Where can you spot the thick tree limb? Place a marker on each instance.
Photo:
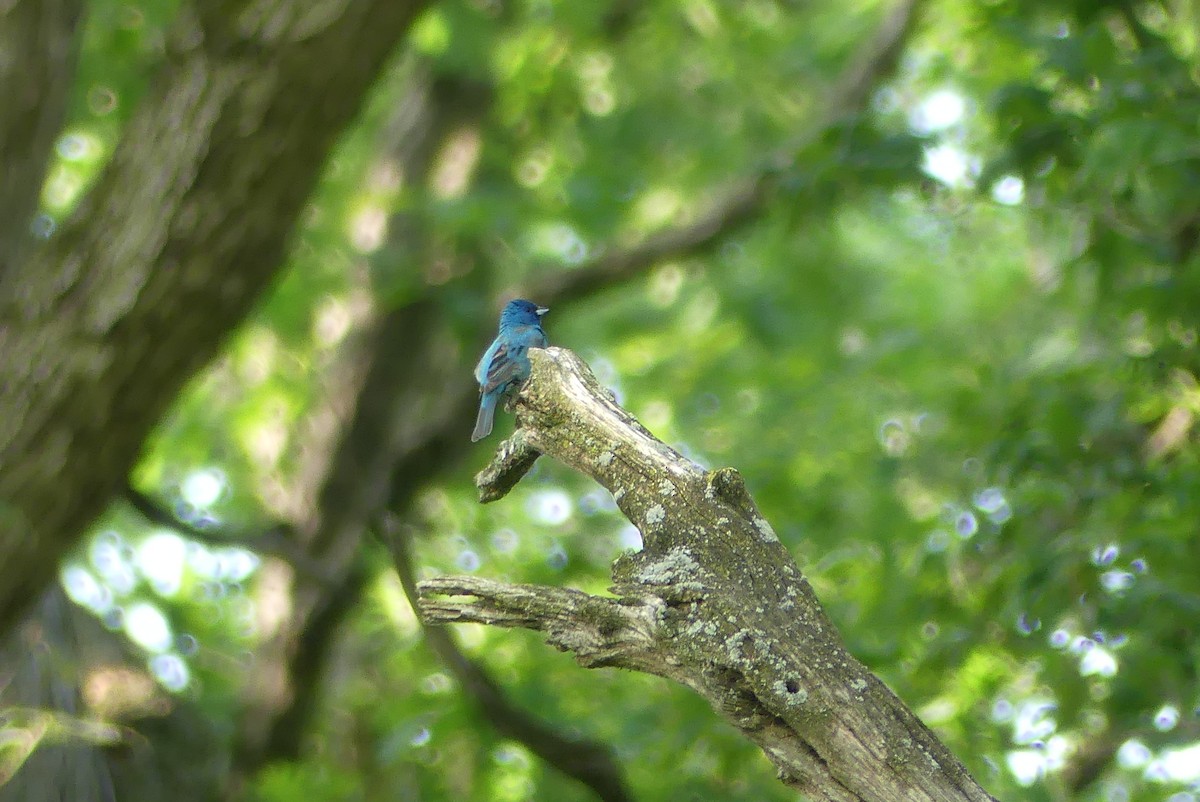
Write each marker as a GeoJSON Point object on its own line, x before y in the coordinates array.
{"type": "Point", "coordinates": [37, 67]}
{"type": "Point", "coordinates": [874, 61]}
{"type": "Point", "coordinates": [713, 601]}
{"type": "Point", "coordinates": [40, 663]}
{"type": "Point", "coordinates": [187, 225]}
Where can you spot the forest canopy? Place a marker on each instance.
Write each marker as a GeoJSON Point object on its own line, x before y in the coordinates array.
{"type": "Point", "coordinates": [925, 273]}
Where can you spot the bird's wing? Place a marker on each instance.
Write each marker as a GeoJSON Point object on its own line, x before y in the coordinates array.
{"type": "Point", "coordinates": [485, 361]}
{"type": "Point", "coordinates": [501, 370]}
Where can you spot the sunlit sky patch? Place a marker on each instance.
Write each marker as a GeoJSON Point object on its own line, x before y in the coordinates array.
{"type": "Point", "coordinates": [161, 558]}
{"type": "Point", "coordinates": [1009, 190]}
{"type": "Point", "coordinates": [558, 240]}
{"type": "Point", "coordinates": [170, 670]}
{"type": "Point", "coordinates": [202, 488]}
{"type": "Point", "coordinates": [367, 229]}
{"type": "Point", "coordinates": [629, 537]}
{"type": "Point", "coordinates": [235, 565]}
{"type": "Point", "coordinates": [1098, 661]}
{"type": "Point", "coordinates": [111, 558]}
{"type": "Point", "coordinates": [225, 565]}
{"type": "Point", "coordinates": [938, 111]}
{"type": "Point", "coordinates": [1166, 718]}
{"type": "Point", "coordinates": [1033, 721]}
{"type": "Point", "coordinates": [1181, 765]}
{"type": "Point", "coordinates": [1030, 765]}
{"type": "Point", "coordinates": [146, 626]}
{"type": "Point", "coordinates": [505, 541]}
{"type": "Point", "coordinates": [78, 146]}
{"type": "Point", "coordinates": [550, 507]}
{"type": "Point", "coordinates": [1133, 754]}
{"type": "Point", "coordinates": [948, 164]}
{"type": "Point", "coordinates": [468, 560]}
{"type": "Point", "coordinates": [85, 590]}
{"type": "Point", "coordinates": [1033, 728]}
{"type": "Point", "coordinates": [421, 737]}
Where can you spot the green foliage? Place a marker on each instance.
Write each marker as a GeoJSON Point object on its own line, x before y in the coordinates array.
{"type": "Point", "coordinates": [953, 406]}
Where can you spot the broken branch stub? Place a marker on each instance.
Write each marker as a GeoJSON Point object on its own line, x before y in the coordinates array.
{"type": "Point", "coordinates": [713, 600]}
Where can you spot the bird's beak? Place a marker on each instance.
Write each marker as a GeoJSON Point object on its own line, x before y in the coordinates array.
{"type": "Point", "coordinates": [541, 310]}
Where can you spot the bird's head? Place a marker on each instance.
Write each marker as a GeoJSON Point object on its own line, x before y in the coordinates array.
{"type": "Point", "coordinates": [522, 313]}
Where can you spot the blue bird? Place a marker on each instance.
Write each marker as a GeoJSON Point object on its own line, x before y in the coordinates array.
{"type": "Point", "coordinates": [505, 366]}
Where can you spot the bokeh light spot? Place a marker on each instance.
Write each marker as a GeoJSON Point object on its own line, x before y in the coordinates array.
{"type": "Point", "coordinates": [893, 437]}
{"type": "Point", "coordinates": [551, 507]}
{"type": "Point", "coordinates": [85, 590]}
{"type": "Point", "coordinates": [160, 558]}
{"type": "Point", "coordinates": [505, 541]}
{"type": "Point", "coordinates": [938, 111]}
{"type": "Point", "coordinates": [1166, 718]}
{"type": "Point", "coordinates": [1133, 754]}
{"type": "Point", "coordinates": [1105, 555]}
{"type": "Point", "coordinates": [1009, 190]}
{"type": "Point", "coordinates": [1117, 581]}
{"type": "Point", "coordinates": [202, 488]}
{"type": "Point", "coordinates": [101, 100]}
{"type": "Point", "coordinates": [1098, 662]}
{"type": "Point", "coordinates": [171, 671]}
{"type": "Point", "coordinates": [146, 626]}
{"type": "Point", "coordinates": [468, 560]}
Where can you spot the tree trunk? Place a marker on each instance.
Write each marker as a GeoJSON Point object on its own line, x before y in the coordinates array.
{"type": "Point", "coordinates": [713, 600]}
{"type": "Point", "coordinates": [190, 221]}
{"type": "Point", "coordinates": [37, 59]}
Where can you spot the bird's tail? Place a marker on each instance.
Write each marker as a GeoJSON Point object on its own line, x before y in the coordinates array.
{"type": "Point", "coordinates": [483, 423]}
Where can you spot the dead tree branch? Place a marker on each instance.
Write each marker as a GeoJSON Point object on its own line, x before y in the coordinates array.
{"type": "Point", "coordinates": [588, 761]}
{"type": "Point", "coordinates": [713, 601]}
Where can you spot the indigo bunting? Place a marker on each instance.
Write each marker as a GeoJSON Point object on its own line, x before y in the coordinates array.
{"type": "Point", "coordinates": [505, 366]}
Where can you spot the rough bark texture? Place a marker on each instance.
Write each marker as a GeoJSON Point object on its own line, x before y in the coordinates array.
{"type": "Point", "coordinates": [187, 225]}
{"type": "Point", "coordinates": [713, 601]}
{"type": "Point", "coordinates": [37, 63]}
{"type": "Point", "coordinates": [390, 446]}
{"type": "Point", "coordinates": [38, 669]}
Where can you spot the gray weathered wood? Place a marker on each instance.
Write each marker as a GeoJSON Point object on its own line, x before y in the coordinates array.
{"type": "Point", "coordinates": [713, 600]}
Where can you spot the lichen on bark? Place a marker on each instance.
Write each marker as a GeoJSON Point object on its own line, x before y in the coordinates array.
{"type": "Point", "coordinates": [713, 600]}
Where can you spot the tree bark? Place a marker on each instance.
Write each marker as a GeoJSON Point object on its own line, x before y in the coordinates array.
{"type": "Point", "coordinates": [713, 601]}
{"type": "Point", "coordinates": [37, 65]}
{"type": "Point", "coordinates": [40, 663]}
{"type": "Point", "coordinates": [188, 224]}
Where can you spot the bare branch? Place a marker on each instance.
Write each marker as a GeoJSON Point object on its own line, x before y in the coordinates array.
{"type": "Point", "coordinates": [588, 761]}
{"type": "Point", "coordinates": [713, 601]}
{"type": "Point", "coordinates": [513, 460]}
{"type": "Point", "coordinates": [744, 200]}
{"type": "Point", "coordinates": [599, 631]}
{"type": "Point", "coordinates": [874, 62]}
{"type": "Point", "coordinates": [276, 540]}
{"type": "Point", "coordinates": [737, 207]}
